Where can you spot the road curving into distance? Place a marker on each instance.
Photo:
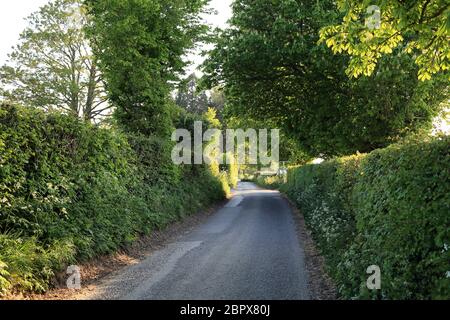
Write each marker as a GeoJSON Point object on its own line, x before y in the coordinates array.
{"type": "Point", "coordinates": [248, 250]}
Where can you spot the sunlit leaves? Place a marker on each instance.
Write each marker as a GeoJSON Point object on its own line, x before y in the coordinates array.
{"type": "Point", "coordinates": [420, 27]}
{"type": "Point", "coordinates": [274, 69]}
{"type": "Point", "coordinates": [141, 45]}
{"type": "Point", "coordinates": [52, 67]}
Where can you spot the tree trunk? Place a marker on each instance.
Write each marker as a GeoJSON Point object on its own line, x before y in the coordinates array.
{"type": "Point", "coordinates": [89, 106]}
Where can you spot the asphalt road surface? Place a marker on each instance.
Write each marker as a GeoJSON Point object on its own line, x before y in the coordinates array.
{"type": "Point", "coordinates": [248, 250]}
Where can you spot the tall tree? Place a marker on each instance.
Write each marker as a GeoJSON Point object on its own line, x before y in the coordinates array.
{"type": "Point", "coordinates": [189, 98]}
{"type": "Point", "coordinates": [371, 29]}
{"type": "Point", "coordinates": [141, 45]}
{"type": "Point", "coordinates": [274, 70]}
{"type": "Point", "coordinates": [53, 66]}
{"type": "Point", "coordinates": [218, 99]}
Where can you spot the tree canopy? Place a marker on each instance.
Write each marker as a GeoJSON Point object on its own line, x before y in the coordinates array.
{"type": "Point", "coordinates": [140, 45]}
{"type": "Point", "coordinates": [418, 27]}
{"type": "Point", "coordinates": [190, 98]}
{"type": "Point", "coordinates": [53, 66]}
{"type": "Point", "coordinates": [274, 70]}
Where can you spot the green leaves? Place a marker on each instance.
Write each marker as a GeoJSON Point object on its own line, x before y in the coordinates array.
{"type": "Point", "coordinates": [422, 27]}
{"type": "Point", "coordinates": [140, 45]}
{"type": "Point", "coordinates": [275, 69]}
{"type": "Point", "coordinates": [388, 208]}
{"type": "Point", "coordinates": [52, 67]}
{"type": "Point", "coordinates": [61, 181]}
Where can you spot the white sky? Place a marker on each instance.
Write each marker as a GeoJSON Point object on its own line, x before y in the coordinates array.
{"type": "Point", "coordinates": [223, 8]}
{"type": "Point", "coordinates": [13, 13]}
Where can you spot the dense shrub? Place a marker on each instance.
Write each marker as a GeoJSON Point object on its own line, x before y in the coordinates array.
{"type": "Point", "coordinates": [323, 193]}
{"type": "Point", "coordinates": [233, 174]}
{"type": "Point", "coordinates": [389, 208]}
{"type": "Point", "coordinates": [269, 182]}
{"type": "Point", "coordinates": [70, 191]}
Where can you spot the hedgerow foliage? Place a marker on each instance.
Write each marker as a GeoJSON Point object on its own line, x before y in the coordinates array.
{"type": "Point", "coordinates": [70, 191]}
{"type": "Point", "coordinates": [389, 208]}
{"type": "Point", "coordinates": [269, 182]}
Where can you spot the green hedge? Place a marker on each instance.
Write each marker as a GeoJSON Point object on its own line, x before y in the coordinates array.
{"type": "Point", "coordinates": [70, 191]}
{"type": "Point", "coordinates": [269, 182]}
{"type": "Point", "coordinates": [390, 208]}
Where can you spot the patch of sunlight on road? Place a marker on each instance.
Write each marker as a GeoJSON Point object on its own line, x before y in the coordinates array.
{"type": "Point", "coordinates": [248, 188]}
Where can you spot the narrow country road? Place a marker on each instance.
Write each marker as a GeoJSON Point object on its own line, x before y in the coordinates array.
{"type": "Point", "coordinates": [247, 250]}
